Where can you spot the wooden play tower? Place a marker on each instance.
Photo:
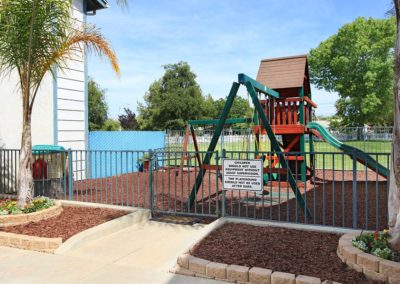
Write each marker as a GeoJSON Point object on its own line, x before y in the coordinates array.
{"type": "Point", "coordinates": [281, 96]}
{"type": "Point", "coordinates": [291, 112]}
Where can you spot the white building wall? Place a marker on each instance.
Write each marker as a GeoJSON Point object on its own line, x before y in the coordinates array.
{"type": "Point", "coordinates": [71, 125]}
{"type": "Point", "coordinates": [62, 121]}
{"type": "Point", "coordinates": [11, 113]}
{"type": "Point", "coordinates": [59, 114]}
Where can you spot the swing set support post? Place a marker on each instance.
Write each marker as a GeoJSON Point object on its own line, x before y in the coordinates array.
{"type": "Point", "coordinates": [218, 130]}
{"type": "Point", "coordinates": [251, 86]}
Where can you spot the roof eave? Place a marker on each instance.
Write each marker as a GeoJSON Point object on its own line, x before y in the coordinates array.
{"type": "Point", "coordinates": [284, 58]}
{"type": "Point", "coordinates": [94, 5]}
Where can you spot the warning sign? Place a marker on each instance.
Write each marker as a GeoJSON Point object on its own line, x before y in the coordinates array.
{"type": "Point", "coordinates": [242, 174]}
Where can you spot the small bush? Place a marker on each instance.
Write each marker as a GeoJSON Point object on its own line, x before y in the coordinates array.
{"type": "Point", "coordinates": [10, 207]}
{"type": "Point", "coordinates": [374, 243]}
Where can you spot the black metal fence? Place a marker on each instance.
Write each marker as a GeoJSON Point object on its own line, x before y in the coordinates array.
{"type": "Point", "coordinates": [338, 188]}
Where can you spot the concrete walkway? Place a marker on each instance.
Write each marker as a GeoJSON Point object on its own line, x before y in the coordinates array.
{"type": "Point", "coordinates": [142, 253]}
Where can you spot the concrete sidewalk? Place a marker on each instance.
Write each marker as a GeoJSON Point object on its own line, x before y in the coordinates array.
{"type": "Point", "coordinates": [142, 253]}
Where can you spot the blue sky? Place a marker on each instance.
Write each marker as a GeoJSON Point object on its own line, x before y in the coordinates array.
{"type": "Point", "coordinates": [218, 38]}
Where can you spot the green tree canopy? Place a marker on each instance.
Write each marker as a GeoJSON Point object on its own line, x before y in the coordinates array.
{"type": "Point", "coordinates": [111, 125]}
{"type": "Point", "coordinates": [172, 100]}
{"type": "Point", "coordinates": [357, 62]}
{"type": "Point", "coordinates": [97, 106]}
{"type": "Point", "coordinates": [240, 108]}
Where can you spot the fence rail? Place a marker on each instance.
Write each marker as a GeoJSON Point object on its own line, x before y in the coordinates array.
{"type": "Point", "coordinates": [376, 139]}
{"type": "Point", "coordinates": [339, 190]}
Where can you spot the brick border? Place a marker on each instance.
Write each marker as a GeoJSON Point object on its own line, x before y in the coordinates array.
{"type": "Point", "coordinates": [219, 271]}
{"type": "Point", "coordinates": [55, 245]}
{"type": "Point", "coordinates": [21, 219]}
{"type": "Point", "coordinates": [189, 265]}
{"type": "Point", "coordinates": [48, 245]}
{"type": "Point", "coordinates": [373, 267]}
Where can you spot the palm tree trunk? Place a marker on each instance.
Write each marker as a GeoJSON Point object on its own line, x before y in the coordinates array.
{"type": "Point", "coordinates": [25, 179]}
{"type": "Point", "coordinates": [394, 188]}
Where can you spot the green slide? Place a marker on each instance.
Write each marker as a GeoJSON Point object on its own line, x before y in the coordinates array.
{"type": "Point", "coordinates": [361, 156]}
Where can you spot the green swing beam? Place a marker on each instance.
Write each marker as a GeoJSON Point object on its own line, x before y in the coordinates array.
{"type": "Point", "coordinates": [215, 121]}
{"type": "Point", "coordinates": [251, 86]}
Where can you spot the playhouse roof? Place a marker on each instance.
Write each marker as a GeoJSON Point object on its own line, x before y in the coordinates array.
{"type": "Point", "coordinates": [284, 72]}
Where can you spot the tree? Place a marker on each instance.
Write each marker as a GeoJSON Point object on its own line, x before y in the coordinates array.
{"type": "Point", "coordinates": [97, 106]}
{"type": "Point", "coordinates": [209, 108]}
{"type": "Point", "coordinates": [111, 125]}
{"type": "Point", "coordinates": [172, 100]}
{"type": "Point", "coordinates": [394, 186]}
{"type": "Point", "coordinates": [36, 35]}
{"type": "Point", "coordinates": [240, 108]}
{"type": "Point", "coordinates": [357, 63]}
{"type": "Point", "coordinates": [128, 120]}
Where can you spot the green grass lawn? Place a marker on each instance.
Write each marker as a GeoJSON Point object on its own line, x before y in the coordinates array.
{"type": "Point", "coordinates": [329, 160]}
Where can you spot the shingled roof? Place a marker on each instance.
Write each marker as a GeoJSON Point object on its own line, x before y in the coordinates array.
{"type": "Point", "coordinates": [283, 72]}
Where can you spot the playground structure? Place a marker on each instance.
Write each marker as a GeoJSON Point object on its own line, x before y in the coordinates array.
{"type": "Point", "coordinates": [283, 107]}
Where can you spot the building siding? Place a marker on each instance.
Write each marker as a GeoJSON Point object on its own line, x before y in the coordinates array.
{"type": "Point", "coordinates": [71, 99]}
{"type": "Point", "coordinates": [59, 111]}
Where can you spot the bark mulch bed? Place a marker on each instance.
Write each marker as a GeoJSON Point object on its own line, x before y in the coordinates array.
{"type": "Point", "coordinates": [329, 197]}
{"type": "Point", "coordinates": [71, 221]}
{"type": "Point", "coordinates": [278, 249]}
{"type": "Point", "coordinates": [182, 219]}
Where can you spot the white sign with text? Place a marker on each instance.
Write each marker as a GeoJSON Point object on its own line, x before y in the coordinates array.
{"type": "Point", "coordinates": [242, 174]}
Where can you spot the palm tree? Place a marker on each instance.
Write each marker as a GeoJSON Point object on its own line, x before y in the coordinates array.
{"type": "Point", "coordinates": [394, 189]}
{"type": "Point", "coordinates": [35, 36]}
{"type": "Point", "coordinates": [122, 3]}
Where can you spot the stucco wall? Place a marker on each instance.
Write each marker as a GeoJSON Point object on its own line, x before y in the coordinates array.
{"type": "Point", "coordinates": [11, 113]}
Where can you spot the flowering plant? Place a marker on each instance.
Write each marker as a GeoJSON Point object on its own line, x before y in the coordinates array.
{"type": "Point", "coordinates": [10, 207]}
{"type": "Point", "coordinates": [374, 243]}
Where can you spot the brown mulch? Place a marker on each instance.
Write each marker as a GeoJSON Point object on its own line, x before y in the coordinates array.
{"type": "Point", "coordinates": [71, 221]}
{"type": "Point", "coordinates": [182, 219]}
{"type": "Point", "coordinates": [278, 249]}
{"type": "Point", "coordinates": [329, 197]}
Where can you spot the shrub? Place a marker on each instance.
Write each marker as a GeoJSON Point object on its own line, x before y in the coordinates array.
{"type": "Point", "coordinates": [10, 207]}
{"type": "Point", "coordinates": [374, 243]}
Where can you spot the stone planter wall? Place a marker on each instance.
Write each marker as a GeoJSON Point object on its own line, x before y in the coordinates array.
{"type": "Point", "coordinates": [373, 267]}
{"type": "Point", "coordinates": [193, 266]}
{"type": "Point", "coordinates": [20, 219]}
{"type": "Point", "coordinates": [48, 245]}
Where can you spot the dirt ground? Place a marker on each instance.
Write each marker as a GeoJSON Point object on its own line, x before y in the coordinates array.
{"type": "Point", "coordinates": [278, 249]}
{"type": "Point", "coordinates": [329, 197]}
{"type": "Point", "coordinates": [71, 221]}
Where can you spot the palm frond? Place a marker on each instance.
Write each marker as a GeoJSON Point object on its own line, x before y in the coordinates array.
{"type": "Point", "coordinates": [89, 40]}
{"type": "Point", "coordinates": [122, 3]}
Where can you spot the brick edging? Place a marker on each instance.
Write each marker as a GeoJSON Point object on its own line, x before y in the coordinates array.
{"type": "Point", "coordinates": [21, 219]}
{"type": "Point", "coordinates": [373, 267]}
{"type": "Point", "coordinates": [189, 265]}
{"type": "Point", "coordinates": [48, 245]}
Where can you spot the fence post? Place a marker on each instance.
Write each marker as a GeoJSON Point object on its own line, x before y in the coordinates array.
{"type": "Point", "coordinates": [354, 190]}
{"type": "Point", "coordinates": [223, 191]}
{"type": "Point", "coordinates": [151, 186]}
{"type": "Point", "coordinates": [70, 175]}
{"type": "Point", "coordinates": [222, 140]}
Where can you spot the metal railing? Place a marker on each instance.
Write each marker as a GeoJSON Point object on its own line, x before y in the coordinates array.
{"type": "Point", "coordinates": [375, 139]}
{"type": "Point", "coordinates": [335, 194]}
{"type": "Point", "coordinates": [338, 188]}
